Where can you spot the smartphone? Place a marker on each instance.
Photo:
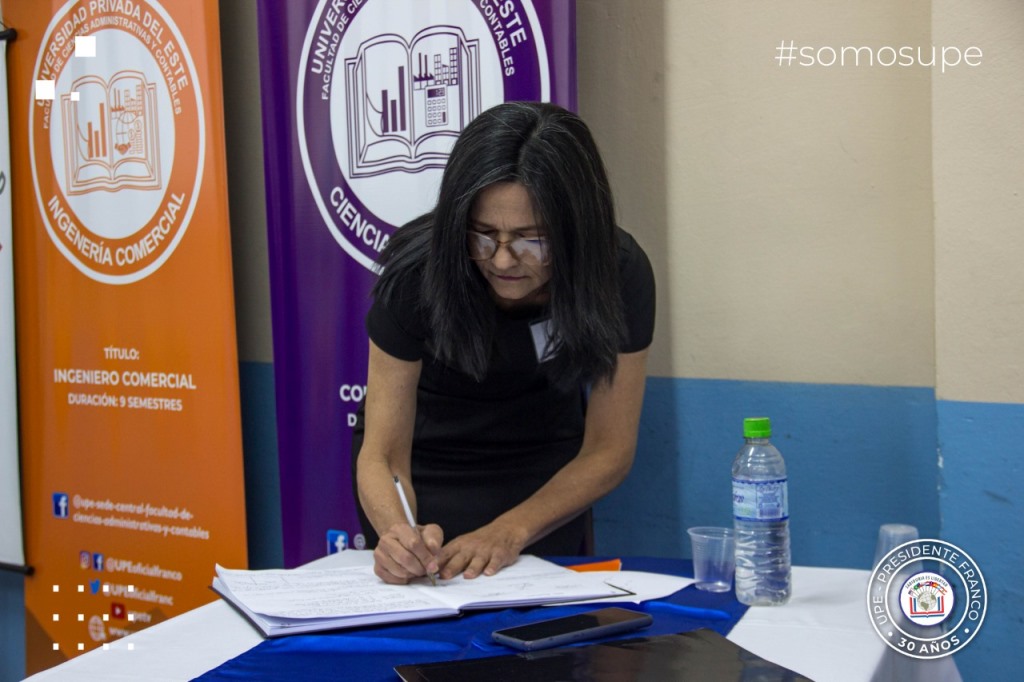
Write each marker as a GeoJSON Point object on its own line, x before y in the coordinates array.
{"type": "Point", "coordinates": [568, 629]}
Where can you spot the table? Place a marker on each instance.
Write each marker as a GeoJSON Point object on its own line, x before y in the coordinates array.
{"type": "Point", "coordinates": [823, 632]}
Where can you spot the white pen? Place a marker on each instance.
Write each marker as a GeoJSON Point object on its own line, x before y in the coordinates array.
{"type": "Point", "coordinates": [410, 518]}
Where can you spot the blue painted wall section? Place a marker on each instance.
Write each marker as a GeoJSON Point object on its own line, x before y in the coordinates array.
{"type": "Point", "coordinates": [856, 456]}
{"type": "Point", "coordinates": [12, 626]}
{"type": "Point", "coordinates": [983, 513]}
{"type": "Point", "coordinates": [262, 478]}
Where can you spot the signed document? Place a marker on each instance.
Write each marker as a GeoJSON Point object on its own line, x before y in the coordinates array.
{"type": "Point", "coordinates": [291, 601]}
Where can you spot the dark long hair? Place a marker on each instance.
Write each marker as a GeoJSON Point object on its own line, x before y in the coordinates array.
{"type": "Point", "coordinates": [551, 152]}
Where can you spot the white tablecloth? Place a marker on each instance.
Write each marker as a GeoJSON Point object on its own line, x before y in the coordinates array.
{"type": "Point", "coordinates": [823, 632]}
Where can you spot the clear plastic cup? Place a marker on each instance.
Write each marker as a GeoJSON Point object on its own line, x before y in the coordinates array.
{"type": "Point", "coordinates": [890, 536]}
{"type": "Point", "coordinates": [714, 557]}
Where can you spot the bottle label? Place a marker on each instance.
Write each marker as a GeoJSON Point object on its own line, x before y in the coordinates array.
{"type": "Point", "coordinates": [760, 500]}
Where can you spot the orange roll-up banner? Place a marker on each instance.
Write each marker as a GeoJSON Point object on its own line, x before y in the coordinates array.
{"type": "Point", "coordinates": [128, 373]}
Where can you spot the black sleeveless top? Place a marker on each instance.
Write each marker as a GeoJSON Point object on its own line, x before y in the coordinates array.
{"type": "Point", "coordinates": [482, 447]}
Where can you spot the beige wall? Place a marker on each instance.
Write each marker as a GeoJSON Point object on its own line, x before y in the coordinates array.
{"type": "Point", "coordinates": [978, 119]}
{"type": "Point", "coordinates": [788, 210]}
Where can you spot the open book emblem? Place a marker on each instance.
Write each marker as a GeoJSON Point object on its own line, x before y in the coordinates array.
{"type": "Point", "coordinates": [407, 101]}
{"type": "Point", "coordinates": [111, 134]}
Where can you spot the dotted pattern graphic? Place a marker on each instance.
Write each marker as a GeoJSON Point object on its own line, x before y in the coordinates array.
{"type": "Point", "coordinates": [96, 628]}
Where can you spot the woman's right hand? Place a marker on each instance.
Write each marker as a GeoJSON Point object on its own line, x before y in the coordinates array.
{"type": "Point", "coordinates": [404, 553]}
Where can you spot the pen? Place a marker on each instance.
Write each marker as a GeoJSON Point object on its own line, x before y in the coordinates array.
{"type": "Point", "coordinates": [409, 517]}
{"type": "Point", "coordinates": [694, 611]}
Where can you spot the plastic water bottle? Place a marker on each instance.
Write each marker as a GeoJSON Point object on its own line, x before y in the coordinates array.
{"type": "Point", "coordinates": [761, 518]}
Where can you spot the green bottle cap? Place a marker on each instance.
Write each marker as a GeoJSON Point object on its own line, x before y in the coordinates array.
{"type": "Point", "coordinates": [757, 427]}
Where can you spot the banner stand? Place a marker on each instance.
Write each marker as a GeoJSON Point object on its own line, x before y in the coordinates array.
{"type": "Point", "coordinates": [362, 102]}
{"type": "Point", "coordinates": [128, 394]}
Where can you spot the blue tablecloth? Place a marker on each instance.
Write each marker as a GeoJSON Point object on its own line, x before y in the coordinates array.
{"type": "Point", "coordinates": [369, 654]}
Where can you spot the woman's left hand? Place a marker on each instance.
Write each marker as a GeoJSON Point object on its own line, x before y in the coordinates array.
{"type": "Point", "coordinates": [485, 551]}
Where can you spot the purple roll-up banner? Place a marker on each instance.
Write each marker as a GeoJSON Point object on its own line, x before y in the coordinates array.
{"type": "Point", "coordinates": [362, 101]}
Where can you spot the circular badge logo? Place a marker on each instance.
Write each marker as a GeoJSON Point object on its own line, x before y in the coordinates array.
{"type": "Point", "coordinates": [117, 155]}
{"type": "Point", "coordinates": [927, 598]}
{"type": "Point", "coordinates": [385, 88]}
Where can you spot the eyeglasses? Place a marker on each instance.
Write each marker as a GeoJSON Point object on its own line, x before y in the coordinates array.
{"type": "Point", "coordinates": [532, 250]}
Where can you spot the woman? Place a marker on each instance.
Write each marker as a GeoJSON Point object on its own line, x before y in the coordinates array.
{"type": "Point", "coordinates": [508, 346]}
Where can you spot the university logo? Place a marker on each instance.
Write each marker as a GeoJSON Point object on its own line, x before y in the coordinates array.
{"type": "Point", "coordinates": [117, 155]}
{"type": "Point", "coordinates": [927, 598]}
{"type": "Point", "coordinates": [385, 88]}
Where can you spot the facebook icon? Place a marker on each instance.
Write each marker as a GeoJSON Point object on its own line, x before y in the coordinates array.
{"type": "Point", "coordinates": [60, 505]}
{"type": "Point", "coordinates": [337, 541]}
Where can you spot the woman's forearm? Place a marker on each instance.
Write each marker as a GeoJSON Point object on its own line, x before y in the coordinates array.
{"type": "Point", "coordinates": [377, 494]}
{"type": "Point", "coordinates": [571, 491]}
